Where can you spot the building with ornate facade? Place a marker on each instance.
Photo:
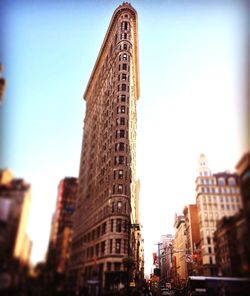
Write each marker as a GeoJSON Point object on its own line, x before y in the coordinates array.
{"type": "Point", "coordinates": [105, 222]}
{"type": "Point", "coordinates": [217, 196]}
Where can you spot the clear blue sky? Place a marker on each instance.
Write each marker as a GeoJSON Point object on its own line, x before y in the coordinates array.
{"type": "Point", "coordinates": [192, 59]}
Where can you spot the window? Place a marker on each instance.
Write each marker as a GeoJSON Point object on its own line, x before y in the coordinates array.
{"type": "Point", "coordinates": [122, 121]}
{"type": "Point", "coordinates": [119, 147]}
{"type": "Point", "coordinates": [104, 225]}
{"type": "Point", "coordinates": [110, 246]}
{"type": "Point", "coordinates": [112, 225]}
{"type": "Point", "coordinates": [125, 46]}
{"type": "Point", "coordinates": [119, 206]}
{"type": "Point", "coordinates": [120, 174]}
{"type": "Point", "coordinates": [124, 57]}
{"type": "Point", "coordinates": [125, 246]}
{"type": "Point", "coordinates": [231, 181]}
{"type": "Point", "coordinates": [118, 246]}
{"type": "Point", "coordinates": [124, 76]}
{"type": "Point", "coordinates": [98, 231]}
{"type": "Point", "coordinates": [122, 133]}
{"type": "Point", "coordinates": [120, 188]}
{"type": "Point", "coordinates": [123, 109]}
{"type": "Point", "coordinates": [125, 36]}
{"type": "Point", "coordinates": [123, 98]}
{"type": "Point", "coordinates": [121, 159]}
{"type": "Point", "coordinates": [118, 225]}
{"type": "Point", "coordinates": [97, 250]}
{"type": "Point", "coordinates": [124, 66]}
{"type": "Point", "coordinates": [103, 248]}
{"type": "Point", "coordinates": [221, 181]}
{"type": "Point", "coordinates": [124, 87]}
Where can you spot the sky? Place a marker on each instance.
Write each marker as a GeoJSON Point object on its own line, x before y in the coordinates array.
{"type": "Point", "coordinates": [192, 57]}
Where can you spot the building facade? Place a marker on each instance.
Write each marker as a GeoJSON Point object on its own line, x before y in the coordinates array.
{"type": "Point", "coordinates": [231, 246]}
{"type": "Point", "coordinates": [192, 239]}
{"type": "Point", "coordinates": [105, 223]}
{"type": "Point", "coordinates": [62, 226]}
{"type": "Point", "coordinates": [15, 200]}
{"type": "Point", "coordinates": [180, 250]}
{"type": "Point", "coordinates": [217, 196]}
{"type": "Point", "coordinates": [166, 257]}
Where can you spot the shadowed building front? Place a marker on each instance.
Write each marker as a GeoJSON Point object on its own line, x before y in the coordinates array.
{"type": "Point", "coordinates": [105, 225]}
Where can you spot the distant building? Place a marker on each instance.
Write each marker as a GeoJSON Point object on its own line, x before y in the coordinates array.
{"type": "Point", "coordinates": [218, 196]}
{"type": "Point", "coordinates": [231, 246]}
{"type": "Point", "coordinates": [62, 224]}
{"type": "Point", "coordinates": [192, 229]}
{"type": "Point", "coordinates": [105, 238]}
{"type": "Point", "coordinates": [243, 169]}
{"type": "Point", "coordinates": [180, 250]}
{"type": "Point", "coordinates": [166, 257]}
{"type": "Point", "coordinates": [15, 199]}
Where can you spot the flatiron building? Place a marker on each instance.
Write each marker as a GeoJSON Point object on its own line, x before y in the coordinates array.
{"type": "Point", "coordinates": [105, 224]}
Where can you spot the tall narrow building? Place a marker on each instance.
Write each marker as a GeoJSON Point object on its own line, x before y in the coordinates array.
{"type": "Point", "coordinates": [105, 217]}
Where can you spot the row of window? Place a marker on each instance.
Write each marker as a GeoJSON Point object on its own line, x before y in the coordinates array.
{"type": "Point", "coordinates": [220, 198]}
{"type": "Point", "coordinates": [115, 246]}
{"type": "Point", "coordinates": [219, 190]}
{"type": "Point", "coordinates": [220, 181]}
{"type": "Point", "coordinates": [227, 207]}
{"type": "Point", "coordinates": [117, 225]}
